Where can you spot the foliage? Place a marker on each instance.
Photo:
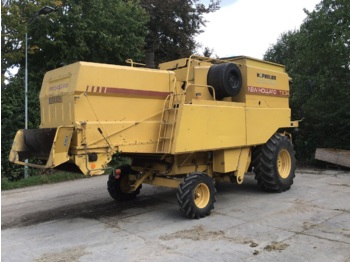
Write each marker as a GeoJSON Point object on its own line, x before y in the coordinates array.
{"type": "Point", "coordinates": [173, 26]}
{"type": "Point", "coordinates": [12, 118]}
{"type": "Point", "coordinates": [317, 57]}
{"type": "Point", "coordinates": [119, 160]}
{"type": "Point", "coordinates": [106, 31]}
{"type": "Point", "coordinates": [209, 52]}
{"type": "Point", "coordinates": [36, 180]}
{"type": "Point", "coordinates": [90, 30]}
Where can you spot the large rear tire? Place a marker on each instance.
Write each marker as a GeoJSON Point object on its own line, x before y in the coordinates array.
{"type": "Point", "coordinates": [274, 164]}
{"type": "Point", "coordinates": [196, 195]}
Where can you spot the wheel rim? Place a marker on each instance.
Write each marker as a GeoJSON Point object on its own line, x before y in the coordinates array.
{"type": "Point", "coordinates": [201, 195]}
{"type": "Point", "coordinates": [284, 163]}
{"type": "Point", "coordinates": [234, 79]}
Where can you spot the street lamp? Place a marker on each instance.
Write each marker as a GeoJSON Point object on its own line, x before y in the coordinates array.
{"type": "Point", "coordinates": [43, 11]}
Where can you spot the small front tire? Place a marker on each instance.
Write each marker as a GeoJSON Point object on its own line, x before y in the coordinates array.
{"type": "Point", "coordinates": [119, 189]}
{"type": "Point", "coordinates": [196, 195]}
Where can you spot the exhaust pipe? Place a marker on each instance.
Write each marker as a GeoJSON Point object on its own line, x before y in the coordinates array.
{"type": "Point", "coordinates": [149, 60]}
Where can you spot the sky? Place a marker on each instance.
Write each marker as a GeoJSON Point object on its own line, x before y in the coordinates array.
{"type": "Point", "coordinates": [250, 27]}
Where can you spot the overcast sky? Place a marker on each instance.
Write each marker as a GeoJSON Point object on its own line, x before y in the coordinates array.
{"type": "Point", "coordinates": [249, 27]}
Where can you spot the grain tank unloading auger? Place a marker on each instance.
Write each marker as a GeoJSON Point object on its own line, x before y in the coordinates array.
{"type": "Point", "coordinates": [187, 125]}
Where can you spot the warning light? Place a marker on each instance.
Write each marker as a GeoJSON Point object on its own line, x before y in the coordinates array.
{"type": "Point", "coordinates": [118, 172]}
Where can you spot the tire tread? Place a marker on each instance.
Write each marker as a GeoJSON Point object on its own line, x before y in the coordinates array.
{"type": "Point", "coordinates": [264, 162]}
{"type": "Point", "coordinates": [184, 195]}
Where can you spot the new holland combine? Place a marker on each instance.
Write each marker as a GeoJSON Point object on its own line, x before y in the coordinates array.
{"type": "Point", "coordinates": [188, 124]}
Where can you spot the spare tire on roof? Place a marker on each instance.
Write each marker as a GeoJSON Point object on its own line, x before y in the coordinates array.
{"type": "Point", "coordinates": [226, 80]}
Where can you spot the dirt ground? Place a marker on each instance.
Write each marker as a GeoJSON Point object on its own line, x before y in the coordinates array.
{"type": "Point", "coordinates": [78, 221]}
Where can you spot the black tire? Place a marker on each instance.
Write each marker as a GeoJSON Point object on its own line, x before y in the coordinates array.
{"type": "Point", "coordinates": [119, 189]}
{"type": "Point", "coordinates": [256, 154]}
{"type": "Point", "coordinates": [274, 164]}
{"type": "Point", "coordinates": [196, 195]}
{"type": "Point", "coordinates": [226, 80]}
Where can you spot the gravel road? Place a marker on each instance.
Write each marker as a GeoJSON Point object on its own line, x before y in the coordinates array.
{"type": "Point", "coordinates": [78, 221]}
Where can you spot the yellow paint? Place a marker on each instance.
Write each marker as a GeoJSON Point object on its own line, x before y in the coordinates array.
{"type": "Point", "coordinates": [225, 161]}
{"type": "Point", "coordinates": [243, 164]}
{"type": "Point", "coordinates": [57, 155]}
{"type": "Point", "coordinates": [201, 195]}
{"type": "Point", "coordinates": [209, 127]}
{"type": "Point", "coordinates": [232, 160]}
{"type": "Point", "coordinates": [284, 163]}
{"type": "Point", "coordinates": [155, 114]}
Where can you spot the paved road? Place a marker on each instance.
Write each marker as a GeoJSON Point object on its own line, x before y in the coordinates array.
{"type": "Point", "coordinates": [78, 221]}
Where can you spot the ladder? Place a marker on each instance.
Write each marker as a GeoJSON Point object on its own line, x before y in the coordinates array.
{"type": "Point", "coordinates": [167, 124]}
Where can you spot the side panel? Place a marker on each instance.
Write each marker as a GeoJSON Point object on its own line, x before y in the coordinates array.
{"type": "Point", "coordinates": [61, 145]}
{"type": "Point", "coordinates": [126, 103]}
{"type": "Point", "coordinates": [209, 127]}
{"type": "Point", "coordinates": [262, 123]}
{"type": "Point", "coordinates": [56, 96]}
{"type": "Point", "coordinates": [226, 160]}
{"type": "Point", "coordinates": [264, 84]}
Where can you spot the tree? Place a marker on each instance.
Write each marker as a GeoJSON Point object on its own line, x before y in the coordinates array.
{"type": "Point", "coordinates": [317, 57]}
{"type": "Point", "coordinates": [11, 116]}
{"type": "Point", "coordinates": [173, 26]}
{"type": "Point", "coordinates": [89, 30]}
{"type": "Point", "coordinates": [12, 36]}
{"type": "Point", "coordinates": [208, 52]}
{"type": "Point", "coordinates": [106, 31]}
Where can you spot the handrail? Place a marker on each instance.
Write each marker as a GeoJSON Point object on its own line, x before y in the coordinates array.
{"type": "Point", "coordinates": [205, 59]}
{"type": "Point", "coordinates": [132, 63]}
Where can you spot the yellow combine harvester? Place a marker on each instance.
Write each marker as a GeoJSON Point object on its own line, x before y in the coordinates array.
{"type": "Point", "coordinates": [187, 125]}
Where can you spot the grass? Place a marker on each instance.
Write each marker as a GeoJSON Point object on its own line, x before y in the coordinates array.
{"type": "Point", "coordinates": [39, 180]}
{"type": "Point", "coordinates": [54, 177]}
